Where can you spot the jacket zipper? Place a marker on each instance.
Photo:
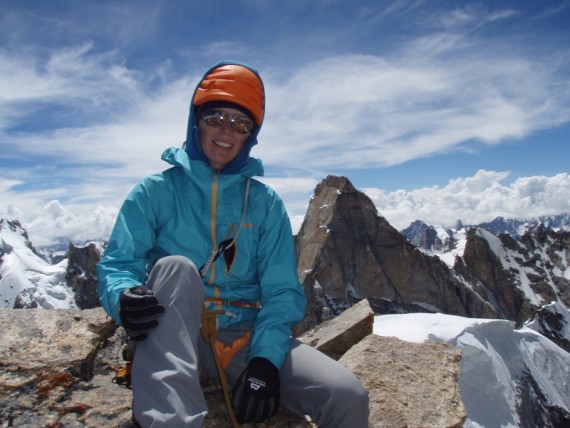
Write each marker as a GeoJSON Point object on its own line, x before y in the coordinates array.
{"type": "Point", "coordinates": [213, 209]}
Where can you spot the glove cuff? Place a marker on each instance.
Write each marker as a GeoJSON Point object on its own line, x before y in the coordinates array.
{"type": "Point", "coordinates": [264, 365]}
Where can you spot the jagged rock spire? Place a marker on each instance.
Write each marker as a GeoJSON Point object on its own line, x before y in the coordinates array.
{"type": "Point", "coordinates": [347, 251]}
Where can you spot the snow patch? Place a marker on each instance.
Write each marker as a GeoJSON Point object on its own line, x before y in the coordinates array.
{"type": "Point", "coordinates": [496, 361]}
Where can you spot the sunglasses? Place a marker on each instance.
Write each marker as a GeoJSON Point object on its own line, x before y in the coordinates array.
{"type": "Point", "coordinates": [218, 119]}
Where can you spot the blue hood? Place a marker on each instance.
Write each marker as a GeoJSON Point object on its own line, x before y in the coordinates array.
{"type": "Point", "coordinates": [192, 144]}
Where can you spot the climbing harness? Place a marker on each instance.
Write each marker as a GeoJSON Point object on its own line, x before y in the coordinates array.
{"type": "Point", "coordinates": [209, 330]}
{"type": "Point", "coordinates": [223, 352]}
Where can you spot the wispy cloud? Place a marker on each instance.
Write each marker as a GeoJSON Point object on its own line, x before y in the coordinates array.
{"type": "Point", "coordinates": [113, 124]}
{"type": "Point", "coordinates": [554, 9]}
{"type": "Point", "coordinates": [362, 111]}
{"type": "Point", "coordinates": [440, 93]}
{"type": "Point", "coordinates": [467, 17]}
{"type": "Point", "coordinates": [73, 87]}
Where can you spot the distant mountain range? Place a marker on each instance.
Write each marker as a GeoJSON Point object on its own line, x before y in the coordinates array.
{"type": "Point", "coordinates": [347, 251]}
{"type": "Point", "coordinates": [444, 239]}
{"type": "Point", "coordinates": [26, 271]}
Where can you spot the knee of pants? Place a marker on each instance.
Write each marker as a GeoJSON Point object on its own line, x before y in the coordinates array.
{"type": "Point", "coordinates": [354, 398]}
{"type": "Point", "coordinates": [176, 262]}
{"type": "Point", "coordinates": [175, 275]}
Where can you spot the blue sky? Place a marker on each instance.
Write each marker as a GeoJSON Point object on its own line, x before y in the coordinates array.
{"type": "Point", "coordinates": [438, 110]}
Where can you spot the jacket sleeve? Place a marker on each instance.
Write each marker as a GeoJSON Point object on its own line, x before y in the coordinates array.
{"type": "Point", "coordinates": [124, 263]}
{"type": "Point", "coordinates": [283, 299]}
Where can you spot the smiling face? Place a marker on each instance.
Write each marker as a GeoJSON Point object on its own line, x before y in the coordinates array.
{"type": "Point", "coordinates": [221, 145]}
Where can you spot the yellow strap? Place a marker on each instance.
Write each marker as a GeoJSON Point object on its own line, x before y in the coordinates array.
{"type": "Point", "coordinates": [213, 209]}
{"type": "Point", "coordinates": [213, 214]}
{"type": "Point", "coordinates": [209, 331]}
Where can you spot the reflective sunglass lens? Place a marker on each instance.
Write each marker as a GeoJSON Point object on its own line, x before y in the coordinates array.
{"type": "Point", "coordinates": [218, 119]}
{"type": "Point", "coordinates": [215, 121]}
{"type": "Point", "coordinates": [242, 126]}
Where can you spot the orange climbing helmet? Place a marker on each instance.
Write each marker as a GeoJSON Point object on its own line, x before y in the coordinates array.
{"type": "Point", "coordinates": [233, 83]}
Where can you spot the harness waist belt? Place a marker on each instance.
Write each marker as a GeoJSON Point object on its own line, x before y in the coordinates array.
{"type": "Point", "coordinates": [237, 304]}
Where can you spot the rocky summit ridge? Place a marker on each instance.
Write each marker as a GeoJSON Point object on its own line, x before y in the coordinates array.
{"type": "Point", "coordinates": [57, 371]}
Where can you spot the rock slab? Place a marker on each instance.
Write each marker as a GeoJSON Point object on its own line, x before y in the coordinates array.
{"type": "Point", "coordinates": [410, 384]}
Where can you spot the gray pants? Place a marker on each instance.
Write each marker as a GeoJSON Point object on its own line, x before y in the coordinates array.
{"type": "Point", "coordinates": [166, 380]}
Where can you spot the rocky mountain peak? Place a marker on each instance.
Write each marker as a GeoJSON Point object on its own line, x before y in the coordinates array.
{"type": "Point", "coordinates": [346, 251]}
{"type": "Point", "coordinates": [425, 236]}
{"type": "Point", "coordinates": [517, 276]}
{"type": "Point", "coordinates": [336, 201]}
{"type": "Point", "coordinates": [81, 275]}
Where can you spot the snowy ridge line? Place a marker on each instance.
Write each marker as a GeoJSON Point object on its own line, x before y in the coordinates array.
{"type": "Point", "coordinates": [27, 280]}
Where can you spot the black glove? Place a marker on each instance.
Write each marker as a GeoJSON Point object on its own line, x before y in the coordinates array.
{"type": "Point", "coordinates": [256, 393]}
{"type": "Point", "coordinates": [139, 310]}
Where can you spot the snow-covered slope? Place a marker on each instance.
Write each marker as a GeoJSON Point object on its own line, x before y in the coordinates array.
{"type": "Point", "coordinates": [26, 280]}
{"type": "Point", "coordinates": [509, 377]}
{"type": "Point", "coordinates": [458, 239]}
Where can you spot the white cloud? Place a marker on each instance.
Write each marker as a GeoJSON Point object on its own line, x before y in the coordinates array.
{"type": "Point", "coordinates": [132, 142]}
{"type": "Point", "coordinates": [440, 94]}
{"type": "Point", "coordinates": [290, 185]}
{"type": "Point", "coordinates": [102, 159]}
{"type": "Point", "coordinates": [56, 221]}
{"type": "Point", "coordinates": [475, 200]}
{"type": "Point", "coordinates": [470, 16]}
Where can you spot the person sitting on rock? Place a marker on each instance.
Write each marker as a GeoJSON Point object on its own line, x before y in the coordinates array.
{"type": "Point", "coordinates": [205, 237]}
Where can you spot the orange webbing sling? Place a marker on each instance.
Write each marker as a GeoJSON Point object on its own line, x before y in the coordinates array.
{"type": "Point", "coordinates": [222, 353]}
{"type": "Point", "coordinates": [225, 353]}
{"type": "Point", "coordinates": [209, 332]}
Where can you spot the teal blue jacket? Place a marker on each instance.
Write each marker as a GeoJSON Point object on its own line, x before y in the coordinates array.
{"type": "Point", "coordinates": [188, 210]}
